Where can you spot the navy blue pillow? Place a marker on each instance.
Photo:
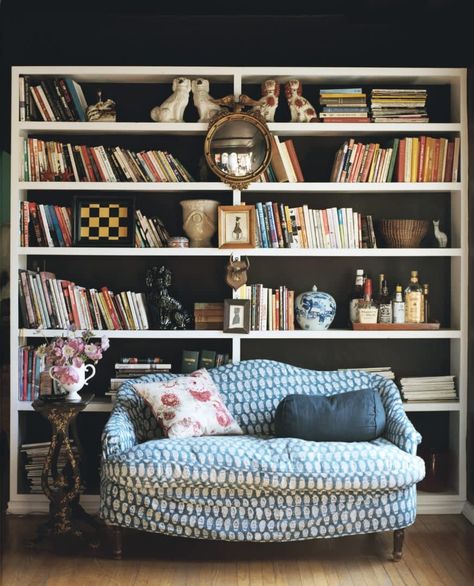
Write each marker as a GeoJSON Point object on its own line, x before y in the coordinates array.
{"type": "Point", "coordinates": [347, 417]}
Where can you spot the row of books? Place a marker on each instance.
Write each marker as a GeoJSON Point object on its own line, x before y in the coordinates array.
{"type": "Point", "coordinates": [281, 226]}
{"type": "Point", "coordinates": [399, 105]}
{"type": "Point", "coordinates": [33, 457]}
{"type": "Point", "coordinates": [125, 370]}
{"type": "Point", "coordinates": [150, 232]}
{"type": "Point", "coordinates": [45, 225]}
{"type": "Point", "coordinates": [428, 388]}
{"type": "Point", "coordinates": [192, 360]}
{"type": "Point", "coordinates": [343, 105]}
{"type": "Point", "coordinates": [55, 161]}
{"type": "Point", "coordinates": [285, 165]}
{"type": "Point", "coordinates": [30, 367]}
{"type": "Point", "coordinates": [208, 316]}
{"type": "Point", "coordinates": [357, 162]}
{"type": "Point", "coordinates": [424, 159]}
{"type": "Point", "coordinates": [270, 310]}
{"type": "Point", "coordinates": [51, 99]}
{"type": "Point", "coordinates": [47, 302]}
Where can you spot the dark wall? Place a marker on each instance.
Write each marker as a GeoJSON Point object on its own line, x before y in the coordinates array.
{"type": "Point", "coordinates": [342, 33]}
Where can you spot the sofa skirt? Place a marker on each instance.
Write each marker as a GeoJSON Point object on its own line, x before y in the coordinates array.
{"type": "Point", "coordinates": [233, 514]}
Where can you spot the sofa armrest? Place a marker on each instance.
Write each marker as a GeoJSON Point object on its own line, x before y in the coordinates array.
{"type": "Point", "coordinates": [119, 433]}
{"type": "Point", "coordinates": [398, 428]}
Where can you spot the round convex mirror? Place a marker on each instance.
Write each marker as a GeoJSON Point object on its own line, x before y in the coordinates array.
{"type": "Point", "coordinates": [238, 148]}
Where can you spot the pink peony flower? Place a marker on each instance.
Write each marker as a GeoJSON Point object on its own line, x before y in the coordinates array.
{"type": "Point", "coordinates": [93, 352]}
{"type": "Point", "coordinates": [66, 375]}
{"type": "Point", "coordinates": [77, 362]}
{"type": "Point", "coordinates": [104, 343]}
{"type": "Point", "coordinates": [170, 400]}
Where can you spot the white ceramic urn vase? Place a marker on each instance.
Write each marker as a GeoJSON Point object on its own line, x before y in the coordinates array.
{"type": "Point", "coordinates": [199, 221]}
{"type": "Point", "coordinates": [72, 389]}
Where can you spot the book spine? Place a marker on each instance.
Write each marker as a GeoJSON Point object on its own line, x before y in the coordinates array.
{"type": "Point", "coordinates": [110, 308]}
{"type": "Point", "coordinates": [272, 225]}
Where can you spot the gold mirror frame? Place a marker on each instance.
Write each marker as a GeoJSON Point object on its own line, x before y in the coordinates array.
{"type": "Point", "coordinates": [223, 118]}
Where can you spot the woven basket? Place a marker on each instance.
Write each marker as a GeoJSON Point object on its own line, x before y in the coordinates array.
{"type": "Point", "coordinates": [403, 233]}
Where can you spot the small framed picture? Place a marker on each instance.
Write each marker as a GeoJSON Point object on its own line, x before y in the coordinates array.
{"type": "Point", "coordinates": [237, 226]}
{"type": "Point", "coordinates": [236, 316]}
{"type": "Point", "coordinates": [104, 220]}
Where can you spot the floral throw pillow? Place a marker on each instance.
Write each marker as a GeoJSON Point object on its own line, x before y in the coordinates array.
{"type": "Point", "coordinates": [188, 406]}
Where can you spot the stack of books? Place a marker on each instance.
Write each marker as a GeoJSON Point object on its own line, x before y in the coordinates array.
{"type": "Point", "coordinates": [424, 159]}
{"type": "Point", "coordinates": [208, 316]}
{"type": "Point", "coordinates": [132, 368]}
{"type": "Point", "coordinates": [30, 367]}
{"type": "Point", "coordinates": [56, 161]}
{"type": "Point", "coordinates": [284, 166]}
{"type": "Point", "coordinates": [47, 302]}
{"type": "Point", "coordinates": [150, 232]}
{"type": "Point", "coordinates": [428, 388]}
{"type": "Point", "coordinates": [343, 105]}
{"type": "Point", "coordinates": [385, 371]}
{"type": "Point", "coordinates": [357, 162]}
{"type": "Point", "coordinates": [51, 99]}
{"type": "Point", "coordinates": [270, 310]}
{"type": "Point", "coordinates": [281, 226]}
{"type": "Point", "coordinates": [45, 225]}
{"type": "Point", "coordinates": [399, 105]}
{"type": "Point", "coordinates": [33, 457]}
{"type": "Point", "coordinates": [194, 359]}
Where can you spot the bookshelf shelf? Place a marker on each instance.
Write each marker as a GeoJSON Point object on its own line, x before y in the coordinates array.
{"type": "Point", "coordinates": [253, 188]}
{"type": "Point", "coordinates": [331, 334]}
{"type": "Point", "coordinates": [265, 252]}
{"type": "Point", "coordinates": [448, 199]}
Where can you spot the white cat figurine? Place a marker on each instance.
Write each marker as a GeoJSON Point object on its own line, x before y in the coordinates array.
{"type": "Point", "coordinates": [440, 236]}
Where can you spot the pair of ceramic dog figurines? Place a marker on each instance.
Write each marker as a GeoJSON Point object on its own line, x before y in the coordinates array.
{"type": "Point", "coordinates": [172, 109]}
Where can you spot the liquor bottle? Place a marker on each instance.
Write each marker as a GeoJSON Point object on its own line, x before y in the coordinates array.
{"type": "Point", "coordinates": [414, 300]}
{"type": "Point", "coordinates": [379, 294]}
{"type": "Point", "coordinates": [368, 311]}
{"type": "Point", "coordinates": [356, 295]}
{"type": "Point", "coordinates": [398, 306]}
{"type": "Point", "coordinates": [426, 304]}
{"type": "Point", "coordinates": [385, 305]}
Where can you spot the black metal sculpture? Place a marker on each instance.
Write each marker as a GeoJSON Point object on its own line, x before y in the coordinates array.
{"type": "Point", "coordinates": [166, 312]}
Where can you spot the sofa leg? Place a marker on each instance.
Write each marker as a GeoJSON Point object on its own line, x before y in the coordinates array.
{"type": "Point", "coordinates": [117, 542]}
{"type": "Point", "coordinates": [398, 536]}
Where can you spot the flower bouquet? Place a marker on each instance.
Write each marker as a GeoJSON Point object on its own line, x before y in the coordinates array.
{"type": "Point", "coordinates": [67, 358]}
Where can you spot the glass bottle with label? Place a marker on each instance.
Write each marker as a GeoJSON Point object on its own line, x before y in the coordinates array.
{"type": "Point", "coordinates": [379, 294]}
{"type": "Point", "coordinates": [426, 304]}
{"type": "Point", "coordinates": [356, 295]}
{"type": "Point", "coordinates": [385, 305]}
{"type": "Point", "coordinates": [414, 300]}
{"type": "Point", "coordinates": [368, 311]}
{"type": "Point", "coordinates": [398, 306]}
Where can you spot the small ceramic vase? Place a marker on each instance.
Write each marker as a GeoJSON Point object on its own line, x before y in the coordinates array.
{"type": "Point", "coordinates": [315, 310]}
{"type": "Point", "coordinates": [73, 389]}
{"type": "Point", "coordinates": [199, 221]}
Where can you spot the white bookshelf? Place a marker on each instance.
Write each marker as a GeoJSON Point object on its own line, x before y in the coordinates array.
{"type": "Point", "coordinates": [239, 77]}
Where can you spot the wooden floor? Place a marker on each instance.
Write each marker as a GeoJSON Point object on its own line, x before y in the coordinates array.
{"type": "Point", "coordinates": [438, 550]}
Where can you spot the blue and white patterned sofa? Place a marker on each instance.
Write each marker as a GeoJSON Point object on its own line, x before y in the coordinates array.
{"type": "Point", "coordinates": [256, 487]}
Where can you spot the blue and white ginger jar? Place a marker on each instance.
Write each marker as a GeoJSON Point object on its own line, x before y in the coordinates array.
{"type": "Point", "coordinates": [315, 310]}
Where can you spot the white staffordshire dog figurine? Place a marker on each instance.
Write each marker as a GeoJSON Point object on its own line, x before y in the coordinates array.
{"type": "Point", "coordinates": [268, 103]}
{"type": "Point", "coordinates": [206, 105]}
{"type": "Point", "coordinates": [301, 109]}
{"type": "Point", "coordinates": [172, 109]}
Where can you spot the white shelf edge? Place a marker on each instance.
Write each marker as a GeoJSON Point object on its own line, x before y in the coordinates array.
{"type": "Point", "coordinates": [265, 252]}
{"type": "Point", "coordinates": [199, 128]}
{"type": "Point", "coordinates": [307, 187]}
{"type": "Point", "coordinates": [335, 334]}
{"type": "Point", "coordinates": [428, 406]}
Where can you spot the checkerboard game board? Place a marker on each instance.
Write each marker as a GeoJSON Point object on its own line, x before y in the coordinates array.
{"type": "Point", "coordinates": [104, 221]}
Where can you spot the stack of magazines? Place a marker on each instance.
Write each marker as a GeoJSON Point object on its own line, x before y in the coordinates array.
{"type": "Point", "coordinates": [133, 368]}
{"type": "Point", "coordinates": [33, 457]}
{"type": "Point", "coordinates": [428, 388]}
{"type": "Point", "coordinates": [385, 371]}
{"type": "Point", "coordinates": [399, 105]}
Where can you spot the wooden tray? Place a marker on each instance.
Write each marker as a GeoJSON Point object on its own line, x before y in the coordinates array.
{"type": "Point", "coordinates": [391, 327]}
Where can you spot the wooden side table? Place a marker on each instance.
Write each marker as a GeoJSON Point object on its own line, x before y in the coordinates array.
{"type": "Point", "coordinates": [62, 485]}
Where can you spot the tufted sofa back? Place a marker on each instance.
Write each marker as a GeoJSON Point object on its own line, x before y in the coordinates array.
{"type": "Point", "coordinates": [252, 390]}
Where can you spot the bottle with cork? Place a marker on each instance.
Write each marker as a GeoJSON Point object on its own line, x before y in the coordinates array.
{"type": "Point", "coordinates": [368, 311]}
{"type": "Point", "coordinates": [414, 300]}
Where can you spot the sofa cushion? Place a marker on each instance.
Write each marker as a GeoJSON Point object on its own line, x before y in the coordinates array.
{"type": "Point", "coordinates": [269, 464]}
{"type": "Point", "coordinates": [348, 417]}
{"type": "Point", "coordinates": [188, 406]}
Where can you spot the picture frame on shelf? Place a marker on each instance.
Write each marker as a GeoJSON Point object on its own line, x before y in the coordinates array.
{"type": "Point", "coordinates": [101, 220]}
{"type": "Point", "coordinates": [236, 316]}
{"type": "Point", "coordinates": [236, 226]}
